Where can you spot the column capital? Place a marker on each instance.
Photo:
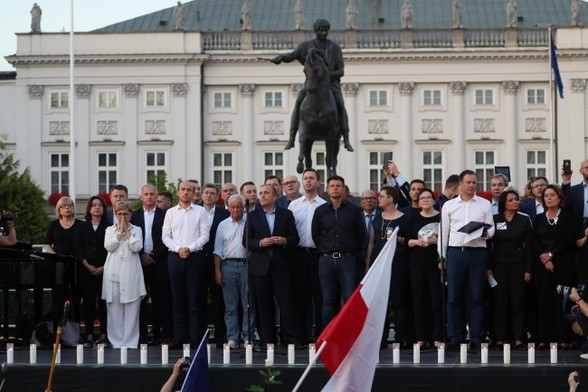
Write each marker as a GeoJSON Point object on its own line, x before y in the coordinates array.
{"type": "Point", "coordinates": [406, 88]}
{"type": "Point", "coordinates": [458, 88]}
{"type": "Point", "coordinates": [295, 88]}
{"type": "Point", "coordinates": [578, 85]}
{"type": "Point", "coordinates": [350, 89]}
{"type": "Point", "coordinates": [510, 87]}
{"type": "Point", "coordinates": [247, 90]}
{"type": "Point", "coordinates": [180, 89]}
{"type": "Point", "coordinates": [131, 89]}
{"type": "Point", "coordinates": [83, 90]}
{"type": "Point", "coordinates": [36, 91]}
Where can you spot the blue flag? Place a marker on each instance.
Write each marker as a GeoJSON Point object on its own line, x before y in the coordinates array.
{"type": "Point", "coordinates": [197, 378]}
{"type": "Point", "coordinates": [555, 67]}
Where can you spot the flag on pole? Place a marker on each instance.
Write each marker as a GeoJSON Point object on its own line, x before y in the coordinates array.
{"type": "Point", "coordinates": [555, 66]}
{"type": "Point", "coordinates": [197, 378]}
{"type": "Point", "coordinates": [353, 336]}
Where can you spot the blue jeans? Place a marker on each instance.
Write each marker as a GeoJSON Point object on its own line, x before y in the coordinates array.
{"type": "Point", "coordinates": [336, 275]}
{"type": "Point", "coordinates": [466, 280]}
{"type": "Point", "coordinates": [235, 274]}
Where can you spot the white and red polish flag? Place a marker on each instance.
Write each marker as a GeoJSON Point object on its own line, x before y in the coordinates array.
{"type": "Point", "coordinates": [353, 337]}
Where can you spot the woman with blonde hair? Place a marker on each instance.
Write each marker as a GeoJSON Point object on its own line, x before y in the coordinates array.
{"type": "Point", "coordinates": [123, 286]}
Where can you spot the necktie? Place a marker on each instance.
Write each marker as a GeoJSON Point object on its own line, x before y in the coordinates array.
{"type": "Point", "coordinates": [369, 223]}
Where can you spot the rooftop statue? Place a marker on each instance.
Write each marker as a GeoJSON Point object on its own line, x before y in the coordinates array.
{"type": "Point", "coordinates": [179, 16]}
{"type": "Point", "coordinates": [36, 19]}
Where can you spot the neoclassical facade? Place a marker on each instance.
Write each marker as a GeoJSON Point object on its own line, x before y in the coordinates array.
{"type": "Point", "coordinates": [207, 106]}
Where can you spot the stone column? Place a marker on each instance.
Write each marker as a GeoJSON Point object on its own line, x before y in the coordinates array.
{"type": "Point", "coordinates": [511, 133]}
{"type": "Point", "coordinates": [459, 128]}
{"type": "Point", "coordinates": [83, 136]}
{"type": "Point", "coordinates": [405, 161]}
{"type": "Point", "coordinates": [578, 123]}
{"type": "Point", "coordinates": [29, 130]}
{"type": "Point", "coordinates": [248, 159]}
{"type": "Point", "coordinates": [350, 90]}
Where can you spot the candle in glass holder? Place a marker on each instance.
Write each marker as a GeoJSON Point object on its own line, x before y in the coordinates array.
{"type": "Point", "coordinates": [164, 354]}
{"type": "Point", "coordinates": [33, 353]}
{"type": "Point", "coordinates": [291, 356]}
{"type": "Point", "coordinates": [143, 348]}
{"type": "Point", "coordinates": [463, 353]}
{"type": "Point", "coordinates": [484, 353]}
{"type": "Point", "coordinates": [9, 353]}
{"type": "Point", "coordinates": [311, 353]}
{"type": "Point", "coordinates": [248, 354]}
{"type": "Point", "coordinates": [553, 352]}
{"type": "Point", "coordinates": [123, 355]}
{"type": "Point", "coordinates": [226, 354]}
{"type": "Point", "coordinates": [441, 353]}
{"type": "Point", "coordinates": [416, 353]}
{"type": "Point", "coordinates": [58, 356]}
{"type": "Point", "coordinates": [270, 355]}
{"type": "Point", "coordinates": [100, 354]}
{"type": "Point", "coordinates": [395, 353]}
{"type": "Point", "coordinates": [531, 353]}
{"type": "Point", "coordinates": [80, 354]}
{"type": "Point", "coordinates": [187, 350]}
{"type": "Point", "coordinates": [506, 353]}
{"type": "Point", "coordinates": [208, 352]}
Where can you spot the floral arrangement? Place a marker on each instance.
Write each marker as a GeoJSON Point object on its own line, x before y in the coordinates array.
{"type": "Point", "coordinates": [54, 197]}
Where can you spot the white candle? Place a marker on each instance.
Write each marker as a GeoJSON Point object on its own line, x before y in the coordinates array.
{"type": "Point", "coordinates": [441, 353]}
{"type": "Point", "coordinates": [164, 354]}
{"type": "Point", "coordinates": [226, 354]}
{"type": "Point", "coordinates": [291, 357]}
{"type": "Point", "coordinates": [506, 353]}
{"type": "Point", "coordinates": [9, 353]}
{"type": "Point", "coordinates": [312, 353]}
{"type": "Point", "coordinates": [484, 353]}
{"type": "Point", "coordinates": [463, 353]}
{"type": "Point", "coordinates": [416, 353]}
{"type": "Point", "coordinates": [248, 354]}
{"type": "Point", "coordinates": [396, 353]}
{"type": "Point", "coordinates": [58, 356]}
{"type": "Point", "coordinates": [187, 350]}
{"type": "Point", "coordinates": [553, 352]}
{"type": "Point", "coordinates": [123, 355]}
{"type": "Point", "coordinates": [100, 354]}
{"type": "Point", "coordinates": [143, 354]}
{"type": "Point", "coordinates": [270, 355]}
{"type": "Point", "coordinates": [33, 353]}
{"type": "Point", "coordinates": [80, 354]}
{"type": "Point", "coordinates": [531, 352]}
{"type": "Point", "coordinates": [208, 352]}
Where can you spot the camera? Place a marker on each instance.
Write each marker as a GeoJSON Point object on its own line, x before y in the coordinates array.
{"type": "Point", "coordinates": [186, 365]}
{"type": "Point", "coordinates": [582, 290]}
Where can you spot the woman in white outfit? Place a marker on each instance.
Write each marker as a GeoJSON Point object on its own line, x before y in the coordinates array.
{"type": "Point", "coordinates": [123, 285]}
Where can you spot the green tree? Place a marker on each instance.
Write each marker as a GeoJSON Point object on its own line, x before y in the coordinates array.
{"type": "Point", "coordinates": [20, 195]}
{"type": "Point", "coordinates": [161, 184]}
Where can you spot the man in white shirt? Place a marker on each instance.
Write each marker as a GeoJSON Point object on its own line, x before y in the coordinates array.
{"type": "Point", "coordinates": [305, 265]}
{"type": "Point", "coordinates": [230, 271]}
{"type": "Point", "coordinates": [186, 230]}
{"type": "Point", "coordinates": [466, 260]}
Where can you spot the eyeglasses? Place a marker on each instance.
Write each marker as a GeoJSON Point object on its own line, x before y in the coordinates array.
{"type": "Point", "coordinates": [368, 198]}
{"type": "Point", "coordinates": [535, 186]}
{"type": "Point", "coordinates": [67, 206]}
{"type": "Point", "coordinates": [289, 183]}
{"type": "Point", "coordinates": [426, 198]}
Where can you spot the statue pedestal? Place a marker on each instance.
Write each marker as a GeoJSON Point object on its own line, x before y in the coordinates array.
{"type": "Point", "coordinates": [510, 40]}
{"type": "Point", "coordinates": [351, 39]}
{"type": "Point", "coordinates": [406, 39]}
{"type": "Point", "coordinates": [458, 41]}
{"type": "Point", "coordinates": [298, 37]}
{"type": "Point", "coordinates": [246, 40]}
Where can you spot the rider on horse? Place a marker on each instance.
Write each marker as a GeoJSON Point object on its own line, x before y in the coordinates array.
{"type": "Point", "coordinates": [334, 58]}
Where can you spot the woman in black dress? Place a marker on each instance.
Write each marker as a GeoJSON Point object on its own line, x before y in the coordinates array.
{"type": "Point", "coordinates": [90, 250]}
{"type": "Point", "coordinates": [425, 275]}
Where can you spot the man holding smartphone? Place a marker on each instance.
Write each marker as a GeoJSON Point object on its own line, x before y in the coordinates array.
{"type": "Point", "coordinates": [576, 195]}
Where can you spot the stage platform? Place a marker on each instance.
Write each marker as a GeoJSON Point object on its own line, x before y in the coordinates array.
{"type": "Point", "coordinates": [452, 376]}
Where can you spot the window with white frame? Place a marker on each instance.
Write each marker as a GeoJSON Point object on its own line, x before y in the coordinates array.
{"type": "Point", "coordinates": [378, 98]}
{"type": "Point", "coordinates": [222, 100]}
{"type": "Point", "coordinates": [431, 97]}
{"type": "Point", "coordinates": [222, 168]}
{"type": "Point", "coordinates": [484, 162]}
{"type": "Point", "coordinates": [273, 99]}
{"type": "Point", "coordinates": [107, 99]}
{"type": "Point", "coordinates": [155, 98]}
{"type": "Point", "coordinates": [375, 172]}
{"type": "Point", "coordinates": [433, 170]}
{"type": "Point", "coordinates": [59, 173]}
{"type": "Point", "coordinates": [59, 99]}
{"type": "Point", "coordinates": [320, 165]}
{"type": "Point", "coordinates": [107, 171]}
{"type": "Point", "coordinates": [155, 165]}
{"type": "Point", "coordinates": [536, 163]}
{"type": "Point", "coordinates": [535, 96]}
{"type": "Point", "coordinates": [484, 97]}
{"type": "Point", "coordinates": [273, 164]}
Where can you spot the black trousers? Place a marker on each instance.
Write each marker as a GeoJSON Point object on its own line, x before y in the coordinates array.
{"type": "Point", "coordinates": [509, 299]}
{"type": "Point", "coordinates": [91, 287]}
{"type": "Point", "coordinates": [159, 291]}
{"type": "Point", "coordinates": [308, 301]}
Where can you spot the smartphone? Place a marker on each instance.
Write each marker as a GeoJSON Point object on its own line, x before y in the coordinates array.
{"type": "Point", "coordinates": [388, 156]}
{"type": "Point", "coordinates": [567, 166]}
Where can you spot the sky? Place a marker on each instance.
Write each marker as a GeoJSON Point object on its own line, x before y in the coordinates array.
{"type": "Point", "coordinates": [89, 15]}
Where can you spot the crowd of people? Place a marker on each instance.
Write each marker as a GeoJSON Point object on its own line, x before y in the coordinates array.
{"type": "Point", "coordinates": [274, 263]}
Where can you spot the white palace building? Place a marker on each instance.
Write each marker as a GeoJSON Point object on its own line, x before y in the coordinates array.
{"type": "Point", "coordinates": [201, 102]}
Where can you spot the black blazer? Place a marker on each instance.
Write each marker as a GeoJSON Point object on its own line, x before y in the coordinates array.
{"type": "Point", "coordinates": [138, 219]}
{"type": "Point", "coordinates": [527, 206]}
{"type": "Point", "coordinates": [575, 198]}
{"type": "Point", "coordinates": [257, 229]}
{"type": "Point", "coordinates": [220, 214]}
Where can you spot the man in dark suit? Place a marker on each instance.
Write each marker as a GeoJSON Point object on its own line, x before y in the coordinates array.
{"type": "Point", "coordinates": [270, 237]}
{"type": "Point", "coordinates": [118, 193]}
{"type": "Point", "coordinates": [577, 195]}
{"type": "Point", "coordinates": [215, 216]}
{"type": "Point", "coordinates": [154, 260]}
{"type": "Point", "coordinates": [533, 206]}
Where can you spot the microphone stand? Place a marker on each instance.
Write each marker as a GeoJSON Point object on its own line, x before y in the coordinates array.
{"type": "Point", "coordinates": [56, 347]}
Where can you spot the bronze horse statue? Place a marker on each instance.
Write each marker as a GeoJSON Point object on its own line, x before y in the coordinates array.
{"type": "Point", "coordinates": [318, 114]}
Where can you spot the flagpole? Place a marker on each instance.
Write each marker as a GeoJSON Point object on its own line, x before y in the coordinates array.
{"type": "Point", "coordinates": [72, 142]}
{"type": "Point", "coordinates": [552, 109]}
{"type": "Point", "coordinates": [310, 365]}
